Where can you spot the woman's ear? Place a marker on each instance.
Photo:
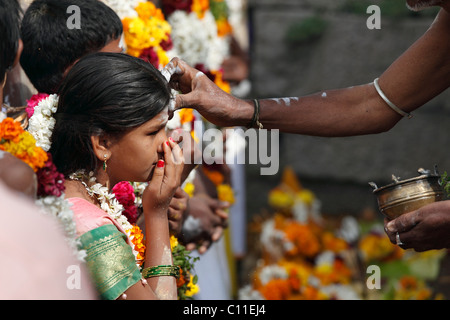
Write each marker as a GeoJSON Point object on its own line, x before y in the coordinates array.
{"type": "Point", "coordinates": [100, 146]}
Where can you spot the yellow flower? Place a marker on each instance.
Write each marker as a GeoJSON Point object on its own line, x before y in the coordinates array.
{"type": "Point", "coordinates": [200, 7]}
{"type": "Point", "coordinates": [192, 288]}
{"type": "Point", "coordinates": [376, 247]}
{"type": "Point", "coordinates": [279, 199]}
{"type": "Point", "coordinates": [162, 56]}
{"type": "Point", "coordinates": [306, 196]}
{"type": "Point", "coordinates": [225, 193]}
{"type": "Point", "coordinates": [146, 30]}
{"type": "Point", "coordinates": [223, 27]}
{"type": "Point", "coordinates": [146, 10]}
{"type": "Point", "coordinates": [21, 144]}
{"type": "Point", "coordinates": [173, 242]}
{"type": "Point", "coordinates": [189, 188]}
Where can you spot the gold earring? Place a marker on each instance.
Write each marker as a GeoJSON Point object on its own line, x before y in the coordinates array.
{"type": "Point", "coordinates": [104, 163]}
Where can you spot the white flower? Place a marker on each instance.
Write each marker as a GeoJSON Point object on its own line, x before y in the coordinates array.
{"type": "Point", "coordinates": [41, 124]}
{"type": "Point", "coordinates": [59, 208]}
{"type": "Point", "coordinates": [196, 41]}
{"type": "Point", "coordinates": [123, 8]}
{"type": "Point", "coordinates": [247, 293]}
{"type": "Point", "coordinates": [325, 258]}
{"type": "Point", "coordinates": [349, 230]}
{"type": "Point", "coordinates": [272, 272]}
{"type": "Point", "coordinates": [272, 239]}
{"type": "Point", "coordinates": [340, 292]}
{"type": "Point", "coordinates": [108, 202]}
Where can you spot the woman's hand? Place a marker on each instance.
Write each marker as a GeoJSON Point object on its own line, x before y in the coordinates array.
{"type": "Point", "coordinates": [165, 180]}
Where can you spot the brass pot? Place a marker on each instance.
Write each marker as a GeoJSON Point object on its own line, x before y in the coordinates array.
{"type": "Point", "coordinates": [408, 195]}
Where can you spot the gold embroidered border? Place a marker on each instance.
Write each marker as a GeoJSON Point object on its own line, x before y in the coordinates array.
{"type": "Point", "coordinates": [110, 260]}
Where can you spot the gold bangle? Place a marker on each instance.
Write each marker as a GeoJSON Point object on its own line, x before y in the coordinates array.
{"type": "Point", "coordinates": [164, 270]}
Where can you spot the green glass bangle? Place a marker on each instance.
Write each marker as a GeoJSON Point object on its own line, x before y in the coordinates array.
{"type": "Point", "coordinates": [164, 270]}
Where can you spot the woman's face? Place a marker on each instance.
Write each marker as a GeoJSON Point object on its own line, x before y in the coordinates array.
{"type": "Point", "coordinates": [135, 155]}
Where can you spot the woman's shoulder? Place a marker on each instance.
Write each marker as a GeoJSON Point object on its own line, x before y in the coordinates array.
{"type": "Point", "coordinates": [87, 215]}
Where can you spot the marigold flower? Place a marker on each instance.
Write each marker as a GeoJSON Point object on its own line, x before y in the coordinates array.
{"type": "Point", "coordinates": [189, 188]}
{"type": "Point", "coordinates": [276, 289]}
{"type": "Point", "coordinates": [200, 7]}
{"type": "Point", "coordinates": [225, 193]}
{"type": "Point", "coordinates": [305, 242]}
{"type": "Point", "coordinates": [192, 287]}
{"type": "Point", "coordinates": [137, 238]}
{"type": "Point", "coordinates": [215, 176]}
{"type": "Point", "coordinates": [173, 242]}
{"type": "Point", "coordinates": [10, 130]}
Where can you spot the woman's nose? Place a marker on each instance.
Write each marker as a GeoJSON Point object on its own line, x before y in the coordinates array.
{"type": "Point", "coordinates": [162, 138]}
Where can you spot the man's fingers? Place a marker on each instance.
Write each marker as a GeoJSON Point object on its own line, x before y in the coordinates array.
{"type": "Point", "coordinates": [404, 222]}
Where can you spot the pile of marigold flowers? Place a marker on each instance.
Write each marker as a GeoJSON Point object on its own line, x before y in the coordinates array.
{"type": "Point", "coordinates": [305, 256]}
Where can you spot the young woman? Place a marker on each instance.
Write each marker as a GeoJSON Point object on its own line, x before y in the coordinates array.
{"type": "Point", "coordinates": [110, 127]}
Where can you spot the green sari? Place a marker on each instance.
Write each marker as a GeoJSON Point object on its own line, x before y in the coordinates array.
{"type": "Point", "coordinates": [110, 261]}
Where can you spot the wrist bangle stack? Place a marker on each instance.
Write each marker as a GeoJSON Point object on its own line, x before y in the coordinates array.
{"type": "Point", "coordinates": [163, 270]}
{"type": "Point", "coordinates": [389, 103]}
{"type": "Point", "coordinates": [255, 119]}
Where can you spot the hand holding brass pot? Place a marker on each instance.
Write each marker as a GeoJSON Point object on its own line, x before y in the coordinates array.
{"type": "Point", "coordinates": [404, 196]}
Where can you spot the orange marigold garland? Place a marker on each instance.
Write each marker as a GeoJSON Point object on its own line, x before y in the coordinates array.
{"type": "Point", "coordinates": [20, 143]}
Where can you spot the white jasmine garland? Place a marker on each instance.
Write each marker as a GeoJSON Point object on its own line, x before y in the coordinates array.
{"type": "Point", "coordinates": [59, 208]}
{"type": "Point", "coordinates": [108, 202]}
{"type": "Point", "coordinates": [196, 41]}
{"type": "Point", "coordinates": [41, 124]}
{"type": "Point", "coordinates": [123, 8]}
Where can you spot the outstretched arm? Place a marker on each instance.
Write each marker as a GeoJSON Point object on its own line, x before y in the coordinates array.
{"type": "Point", "coordinates": [418, 75]}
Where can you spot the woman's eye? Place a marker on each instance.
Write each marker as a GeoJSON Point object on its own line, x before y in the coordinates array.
{"type": "Point", "coordinates": [154, 133]}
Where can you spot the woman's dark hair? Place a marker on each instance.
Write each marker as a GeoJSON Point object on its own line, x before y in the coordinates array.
{"type": "Point", "coordinates": [10, 13]}
{"type": "Point", "coordinates": [103, 94]}
{"type": "Point", "coordinates": [50, 45]}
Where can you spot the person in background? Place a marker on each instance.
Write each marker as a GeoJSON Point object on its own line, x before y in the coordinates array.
{"type": "Point", "coordinates": [55, 274]}
{"type": "Point", "coordinates": [418, 75]}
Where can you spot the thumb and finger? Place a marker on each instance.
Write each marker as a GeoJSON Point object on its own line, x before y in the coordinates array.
{"type": "Point", "coordinates": [404, 222]}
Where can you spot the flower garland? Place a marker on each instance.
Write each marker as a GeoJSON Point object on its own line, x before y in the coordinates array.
{"type": "Point", "coordinates": [187, 283]}
{"type": "Point", "coordinates": [40, 110]}
{"type": "Point", "coordinates": [147, 36]}
{"type": "Point", "coordinates": [20, 143]}
{"type": "Point", "coordinates": [114, 209]}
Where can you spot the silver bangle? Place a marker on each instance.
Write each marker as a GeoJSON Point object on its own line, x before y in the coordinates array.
{"type": "Point", "coordinates": [389, 103]}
